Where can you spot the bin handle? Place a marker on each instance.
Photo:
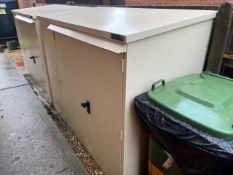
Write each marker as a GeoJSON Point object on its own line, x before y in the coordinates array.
{"type": "Point", "coordinates": [157, 83]}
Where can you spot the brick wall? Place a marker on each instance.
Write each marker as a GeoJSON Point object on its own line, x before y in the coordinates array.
{"type": "Point", "coordinates": [25, 3]}
{"type": "Point", "coordinates": [176, 2]}
{"type": "Point", "coordinates": [28, 3]}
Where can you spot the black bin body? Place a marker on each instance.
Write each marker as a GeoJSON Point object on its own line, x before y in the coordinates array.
{"type": "Point", "coordinates": [7, 25]}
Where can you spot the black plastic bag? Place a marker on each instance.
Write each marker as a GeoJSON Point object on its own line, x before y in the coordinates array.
{"type": "Point", "coordinates": [195, 152]}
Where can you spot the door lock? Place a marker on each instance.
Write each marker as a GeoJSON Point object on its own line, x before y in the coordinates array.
{"type": "Point", "coordinates": [86, 105]}
{"type": "Point", "coordinates": [33, 58]}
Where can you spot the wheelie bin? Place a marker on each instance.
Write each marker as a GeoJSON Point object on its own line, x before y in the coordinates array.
{"type": "Point", "coordinates": [191, 118]}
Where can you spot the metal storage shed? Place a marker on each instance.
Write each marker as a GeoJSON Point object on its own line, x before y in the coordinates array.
{"type": "Point", "coordinates": [105, 57]}
{"type": "Point", "coordinates": [25, 20]}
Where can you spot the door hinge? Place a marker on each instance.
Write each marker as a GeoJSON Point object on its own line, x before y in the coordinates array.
{"type": "Point", "coordinates": [121, 135]}
{"type": "Point", "coordinates": [53, 35]}
{"type": "Point", "coordinates": [123, 65]}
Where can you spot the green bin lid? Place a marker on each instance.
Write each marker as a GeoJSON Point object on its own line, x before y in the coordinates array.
{"type": "Point", "coordinates": [204, 101]}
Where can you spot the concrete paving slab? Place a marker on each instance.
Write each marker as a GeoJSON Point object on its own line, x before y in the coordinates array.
{"type": "Point", "coordinates": [9, 75]}
{"type": "Point", "coordinates": [30, 142]}
{"type": "Point", "coordinates": [4, 59]}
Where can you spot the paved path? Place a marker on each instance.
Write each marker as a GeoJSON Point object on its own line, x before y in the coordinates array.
{"type": "Point", "coordinates": [30, 142]}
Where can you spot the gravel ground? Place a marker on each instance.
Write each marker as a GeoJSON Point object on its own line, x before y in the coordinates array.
{"type": "Point", "coordinates": [86, 159]}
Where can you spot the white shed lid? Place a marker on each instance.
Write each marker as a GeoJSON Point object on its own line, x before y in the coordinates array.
{"type": "Point", "coordinates": [32, 12]}
{"type": "Point", "coordinates": [130, 23]}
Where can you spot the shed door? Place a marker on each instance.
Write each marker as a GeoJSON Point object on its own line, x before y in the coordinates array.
{"type": "Point", "coordinates": [91, 74]}
{"type": "Point", "coordinates": [71, 83]}
{"type": "Point", "coordinates": [32, 57]}
{"type": "Point", "coordinates": [103, 82]}
{"type": "Point", "coordinates": [49, 44]}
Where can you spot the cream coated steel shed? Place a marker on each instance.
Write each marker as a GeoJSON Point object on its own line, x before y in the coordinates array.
{"type": "Point", "coordinates": [25, 20]}
{"type": "Point", "coordinates": [105, 57]}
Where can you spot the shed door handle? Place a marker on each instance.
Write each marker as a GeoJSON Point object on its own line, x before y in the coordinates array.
{"type": "Point", "coordinates": [33, 58]}
{"type": "Point", "coordinates": [86, 105]}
